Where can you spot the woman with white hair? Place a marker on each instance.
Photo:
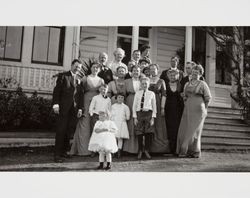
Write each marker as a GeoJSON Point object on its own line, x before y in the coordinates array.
{"type": "Point", "coordinates": [119, 54]}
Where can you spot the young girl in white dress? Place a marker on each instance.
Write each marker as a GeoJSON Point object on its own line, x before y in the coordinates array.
{"type": "Point", "coordinates": [103, 140]}
{"type": "Point", "coordinates": [120, 113]}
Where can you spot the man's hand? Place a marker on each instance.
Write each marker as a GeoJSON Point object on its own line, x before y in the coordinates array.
{"type": "Point", "coordinates": [152, 121]}
{"type": "Point", "coordinates": [135, 121]}
{"type": "Point", "coordinates": [56, 109]}
{"type": "Point", "coordinates": [79, 113]}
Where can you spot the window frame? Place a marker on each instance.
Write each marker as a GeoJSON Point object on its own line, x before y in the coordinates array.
{"type": "Point", "coordinates": [132, 37]}
{"type": "Point", "coordinates": [21, 47]}
{"type": "Point", "coordinates": [61, 48]}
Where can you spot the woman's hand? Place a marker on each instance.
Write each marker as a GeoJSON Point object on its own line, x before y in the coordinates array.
{"type": "Point", "coordinates": [162, 112]}
{"type": "Point", "coordinates": [135, 121]}
{"type": "Point", "coordinates": [152, 121]}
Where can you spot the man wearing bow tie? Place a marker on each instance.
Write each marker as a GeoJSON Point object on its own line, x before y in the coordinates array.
{"type": "Point", "coordinates": [65, 105]}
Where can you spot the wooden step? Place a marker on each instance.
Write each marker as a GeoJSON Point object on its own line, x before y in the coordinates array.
{"type": "Point", "coordinates": [236, 147]}
{"type": "Point", "coordinates": [225, 133]}
{"type": "Point", "coordinates": [228, 127]}
{"type": "Point", "coordinates": [225, 115]}
{"type": "Point", "coordinates": [224, 110]}
{"type": "Point", "coordinates": [27, 135]}
{"type": "Point", "coordinates": [225, 140]}
{"type": "Point", "coordinates": [224, 120]}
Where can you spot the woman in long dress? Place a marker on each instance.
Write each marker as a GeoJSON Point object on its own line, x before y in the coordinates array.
{"type": "Point", "coordinates": [132, 85]}
{"type": "Point", "coordinates": [157, 85]}
{"type": "Point", "coordinates": [196, 96]}
{"type": "Point", "coordinates": [117, 85]}
{"type": "Point", "coordinates": [90, 86]}
{"type": "Point", "coordinates": [173, 108]}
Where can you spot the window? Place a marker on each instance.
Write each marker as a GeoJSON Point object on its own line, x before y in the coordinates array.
{"type": "Point", "coordinates": [247, 50]}
{"type": "Point", "coordinates": [223, 62]}
{"type": "Point", "coordinates": [125, 37]}
{"type": "Point", "coordinates": [143, 36]}
{"type": "Point", "coordinates": [199, 53]}
{"type": "Point", "coordinates": [11, 39]}
{"type": "Point", "coordinates": [48, 45]}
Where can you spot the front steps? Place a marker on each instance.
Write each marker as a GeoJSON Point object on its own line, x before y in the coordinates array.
{"type": "Point", "coordinates": [224, 129]}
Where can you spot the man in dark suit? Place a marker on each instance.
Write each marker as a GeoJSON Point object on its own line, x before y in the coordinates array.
{"type": "Point", "coordinates": [65, 103]}
{"type": "Point", "coordinates": [105, 72]}
{"type": "Point", "coordinates": [174, 65]}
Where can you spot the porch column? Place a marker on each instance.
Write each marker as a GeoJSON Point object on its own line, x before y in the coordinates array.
{"type": "Point", "coordinates": [188, 44]}
{"type": "Point", "coordinates": [210, 65]}
{"type": "Point", "coordinates": [76, 42]}
{"type": "Point", "coordinates": [135, 38]}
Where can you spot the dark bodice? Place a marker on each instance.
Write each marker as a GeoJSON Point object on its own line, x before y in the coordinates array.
{"type": "Point", "coordinates": [158, 88]}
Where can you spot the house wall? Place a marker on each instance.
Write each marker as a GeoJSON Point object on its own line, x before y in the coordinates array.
{"type": "Point", "coordinates": [92, 47]}
{"type": "Point", "coordinates": [164, 42]}
{"type": "Point", "coordinates": [169, 40]}
{"type": "Point", "coordinates": [36, 77]}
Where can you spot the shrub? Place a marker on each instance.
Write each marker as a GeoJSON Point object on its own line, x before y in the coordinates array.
{"type": "Point", "coordinates": [20, 112]}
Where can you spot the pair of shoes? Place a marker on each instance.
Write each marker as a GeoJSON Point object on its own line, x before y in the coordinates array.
{"type": "Point", "coordinates": [195, 155]}
{"type": "Point", "coordinates": [65, 155]}
{"type": "Point", "coordinates": [100, 166]}
{"type": "Point", "coordinates": [58, 159]}
{"type": "Point", "coordinates": [139, 155]}
{"type": "Point", "coordinates": [147, 154]}
{"type": "Point", "coordinates": [108, 167]}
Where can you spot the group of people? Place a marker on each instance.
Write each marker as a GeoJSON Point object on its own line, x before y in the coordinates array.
{"type": "Point", "coordinates": [130, 108]}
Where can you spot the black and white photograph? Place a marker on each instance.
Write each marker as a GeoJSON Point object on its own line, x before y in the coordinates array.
{"type": "Point", "coordinates": [151, 98]}
{"type": "Point", "coordinates": [93, 98]}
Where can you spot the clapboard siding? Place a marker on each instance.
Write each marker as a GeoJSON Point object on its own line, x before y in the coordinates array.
{"type": "Point", "coordinates": [171, 36]}
{"type": "Point", "coordinates": [91, 34]}
{"type": "Point", "coordinates": [169, 40]}
{"type": "Point", "coordinates": [95, 29]}
{"type": "Point", "coordinates": [173, 30]}
{"type": "Point", "coordinates": [86, 55]}
{"type": "Point", "coordinates": [92, 47]}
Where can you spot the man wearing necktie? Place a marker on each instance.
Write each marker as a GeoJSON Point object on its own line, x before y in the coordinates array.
{"type": "Point", "coordinates": [65, 106]}
{"type": "Point", "coordinates": [144, 113]}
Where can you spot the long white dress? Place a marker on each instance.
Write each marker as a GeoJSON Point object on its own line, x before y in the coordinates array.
{"type": "Point", "coordinates": [120, 113]}
{"type": "Point", "coordinates": [104, 141]}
